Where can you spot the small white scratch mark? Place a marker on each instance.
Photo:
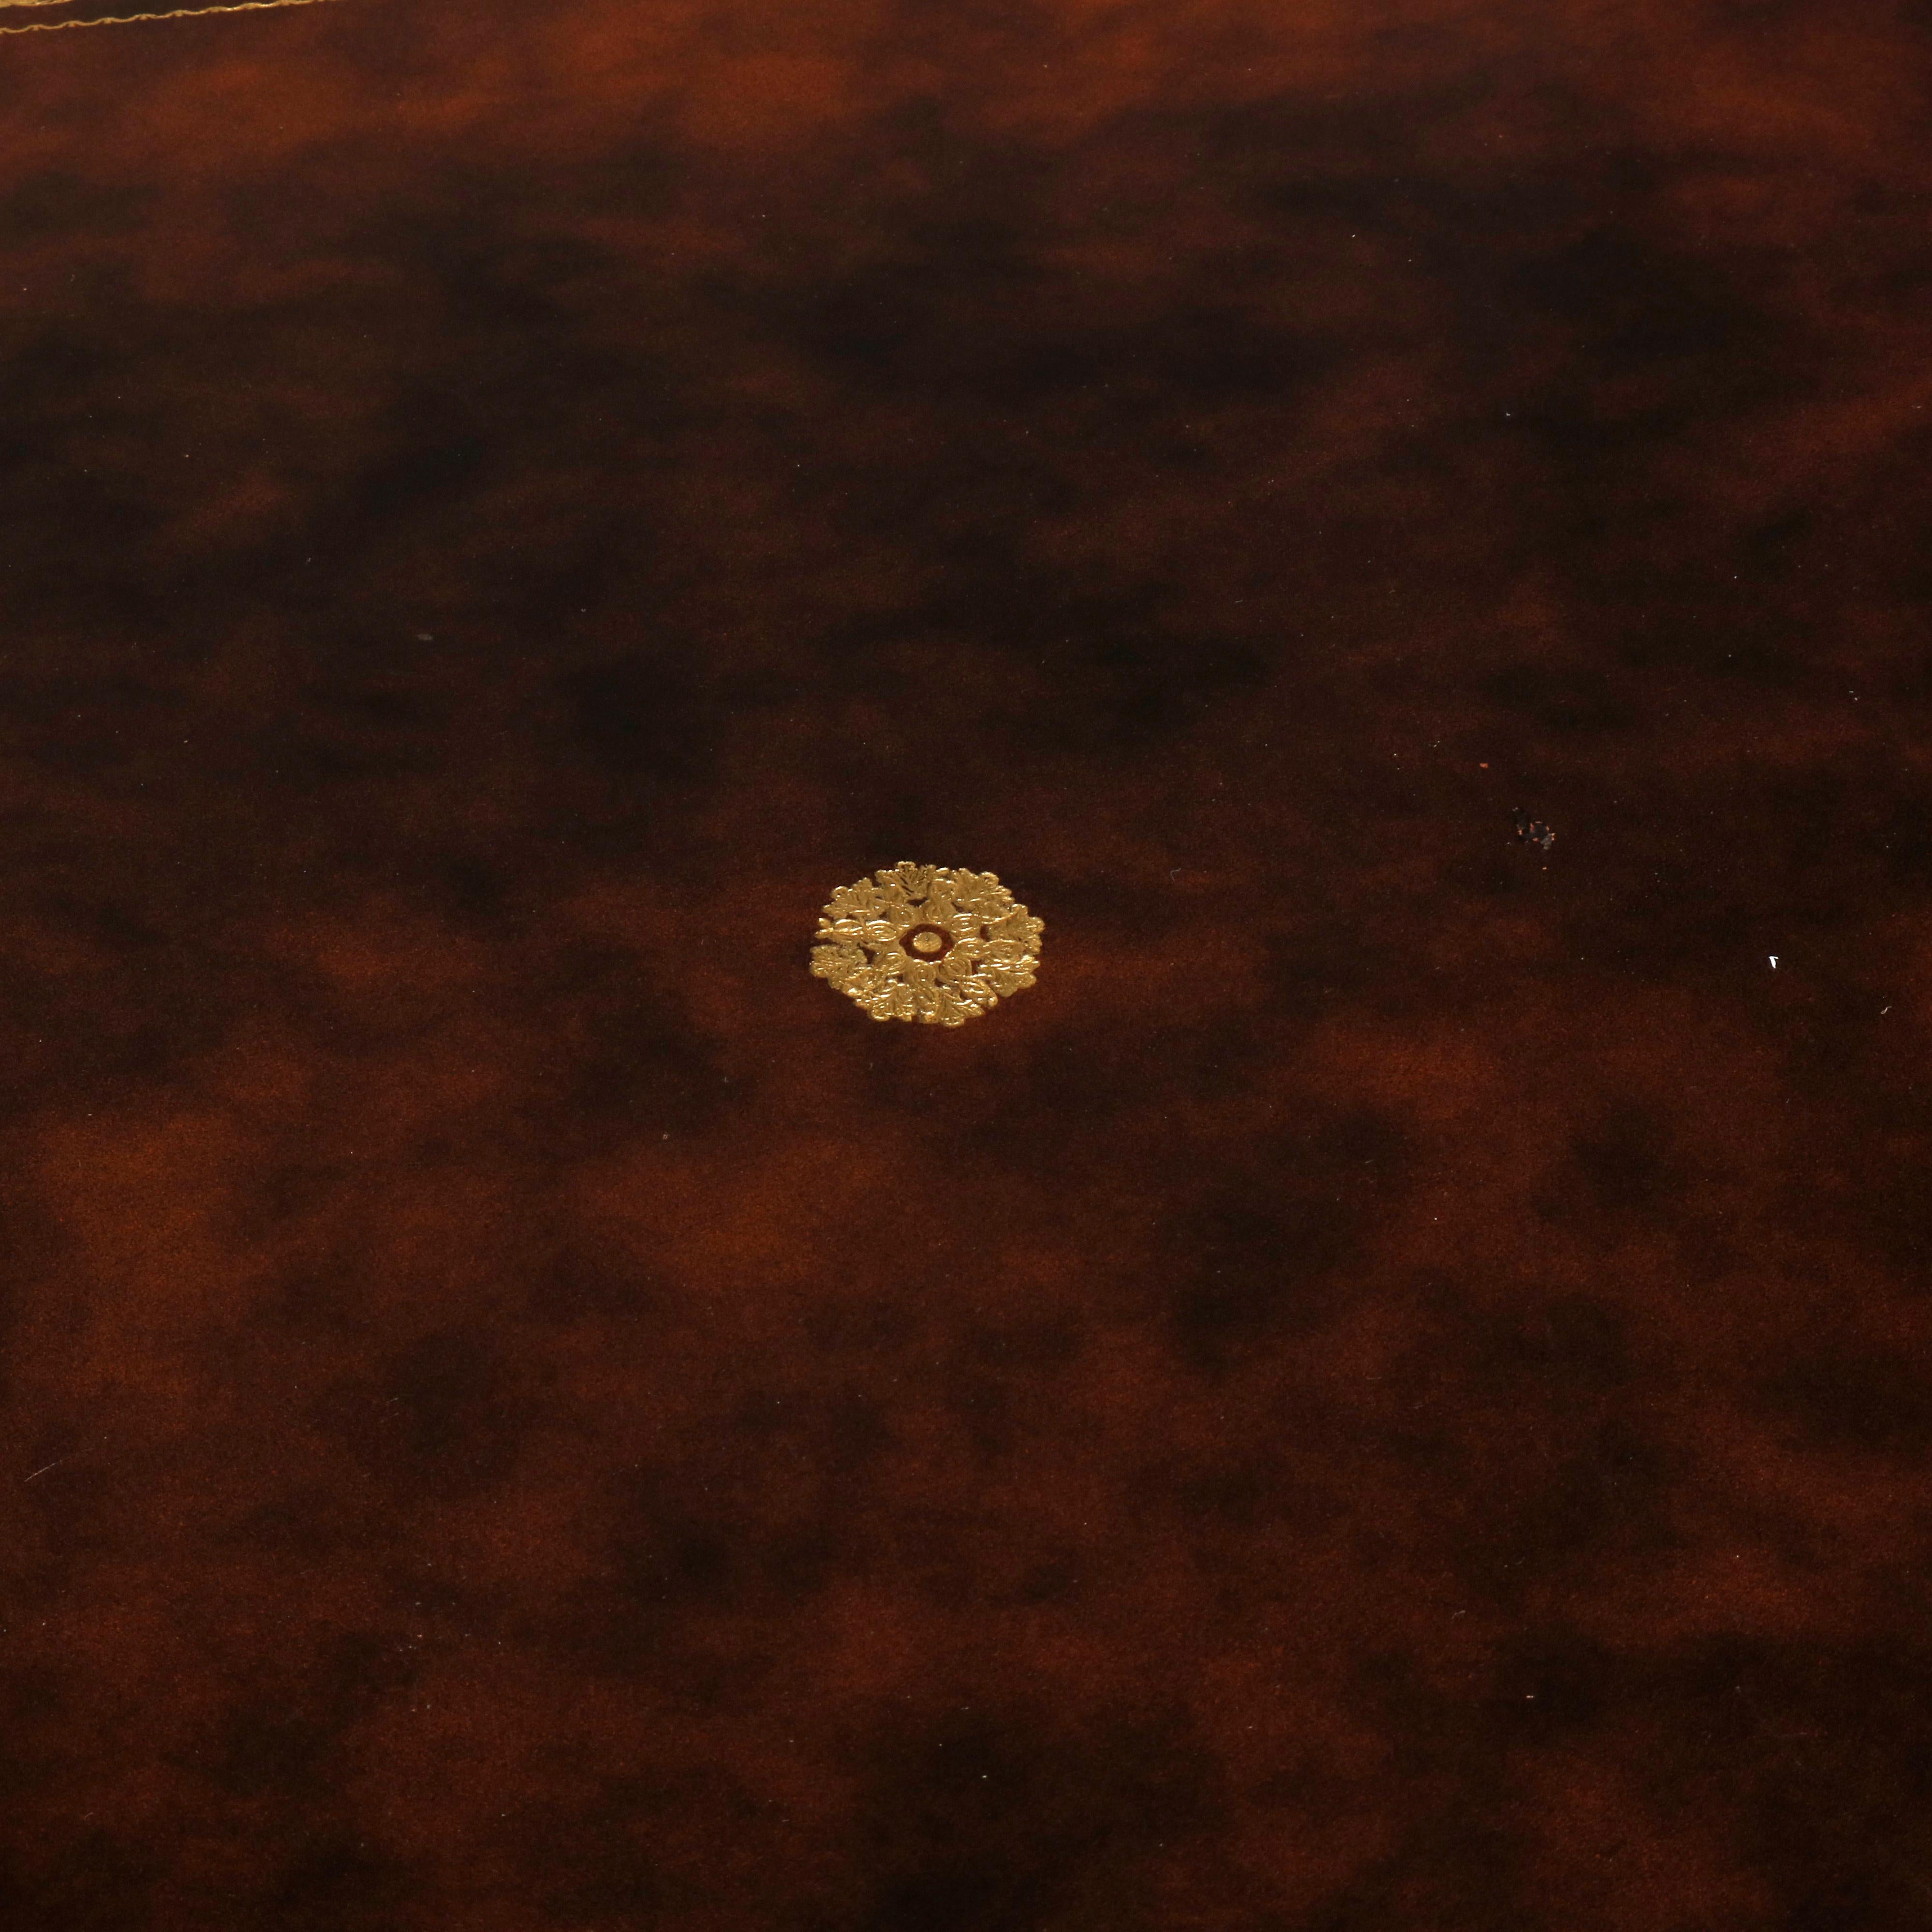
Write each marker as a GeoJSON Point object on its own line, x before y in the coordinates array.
{"type": "Point", "coordinates": [1773, 957]}
{"type": "Point", "coordinates": [44, 1468]}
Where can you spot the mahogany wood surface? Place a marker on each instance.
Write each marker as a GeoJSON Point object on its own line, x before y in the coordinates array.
{"type": "Point", "coordinates": [1388, 1392]}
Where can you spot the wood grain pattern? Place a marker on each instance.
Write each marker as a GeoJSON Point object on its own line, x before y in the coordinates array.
{"type": "Point", "coordinates": [1387, 1393]}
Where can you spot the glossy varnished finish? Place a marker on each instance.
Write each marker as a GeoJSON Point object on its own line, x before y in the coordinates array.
{"type": "Point", "coordinates": [1387, 1393]}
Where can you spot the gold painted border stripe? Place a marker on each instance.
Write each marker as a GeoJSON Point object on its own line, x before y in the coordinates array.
{"type": "Point", "coordinates": [129, 19]}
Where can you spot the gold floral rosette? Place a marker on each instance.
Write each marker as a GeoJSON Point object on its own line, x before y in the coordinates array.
{"type": "Point", "coordinates": [926, 942]}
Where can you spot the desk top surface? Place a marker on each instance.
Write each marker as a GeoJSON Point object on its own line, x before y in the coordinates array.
{"type": "Point", "coordinates": [1384, 1392]}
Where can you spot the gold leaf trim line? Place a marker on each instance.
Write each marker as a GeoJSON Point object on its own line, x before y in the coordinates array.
{"type": "Point", "coordinates": [130, 19]}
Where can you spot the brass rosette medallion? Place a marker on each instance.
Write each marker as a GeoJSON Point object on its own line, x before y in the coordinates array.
{"type": "Point", "coordinates": [927, 943]}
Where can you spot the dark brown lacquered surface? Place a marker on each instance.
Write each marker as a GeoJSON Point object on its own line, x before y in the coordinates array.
{"type": "Point", "coordinates": [1388, 1392]}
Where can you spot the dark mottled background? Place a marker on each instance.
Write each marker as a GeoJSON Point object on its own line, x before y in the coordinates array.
{"type": "Point", "coordinates": [1389, 1393]}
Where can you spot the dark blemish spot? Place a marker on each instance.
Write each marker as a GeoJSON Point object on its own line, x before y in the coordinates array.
{"type": "Point", "coordinates": [1532, 831]}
